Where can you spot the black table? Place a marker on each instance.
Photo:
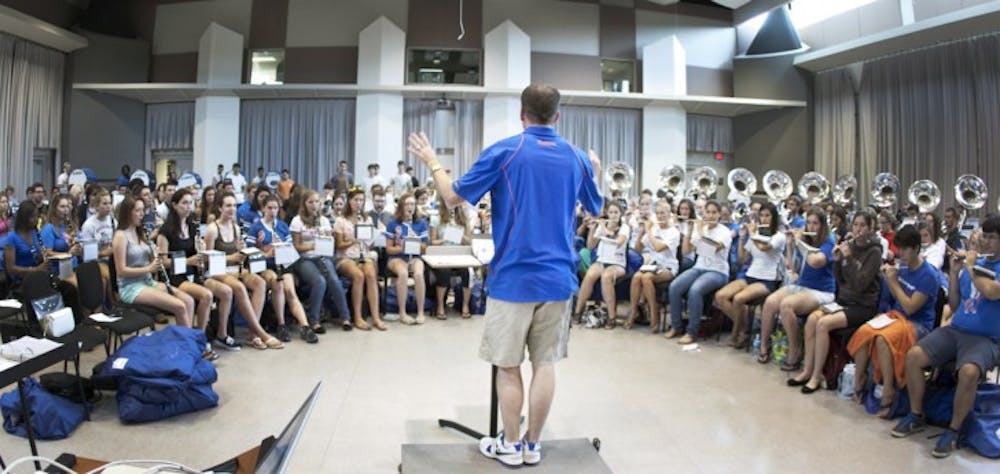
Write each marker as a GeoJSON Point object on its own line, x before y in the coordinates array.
{"type": "Point", "coordinates": [38, 363]}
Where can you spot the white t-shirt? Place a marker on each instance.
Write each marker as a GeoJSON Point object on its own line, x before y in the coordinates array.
{"type": "Point", "coordinates": [668, 257]}
{"type": "Point", "coordinates": [401, 183]}
{"type": "Point", "coordinates": [239, 182]}
{"type": "Point", "coordinates": [62, 179]}
{"type": "Point", "coordinates": [767, 265]}
{"type": "Point", "coordinates": [101, 230]}
{"type": "Point", "coordinates": [934, 253]}
{"type": "Point", "coordinates": [708, 257]}
{"type": "Point", "coordinates": [308, 234]}
{"type": "Point", "coordinates": [368, 181]}
{"type": "Point", "coordinates": [161, 211]}
{"type": "Point", "coordinates": [623, 230]}
{"type": "Point", "coordinates": [682, 229]}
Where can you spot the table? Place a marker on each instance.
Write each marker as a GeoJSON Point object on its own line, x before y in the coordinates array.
{"type": "Point", "coordinates": [38, 363]}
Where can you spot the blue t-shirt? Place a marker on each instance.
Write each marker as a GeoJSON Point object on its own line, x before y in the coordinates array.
{"type": "Point", "coordinates": [978, 315]}
{"type": "Point", "coordinates": [924, 279]}
{"type": "Point", "coordinates": [25, 254]}
{"type": "Point", "coordinates": [535, 180]}
{"type": "Point", "coordinates": [798, 222]}
{"type": "Point", "coordinates": [819, 279]}
{"type": "Point", "coordinates": [246, 215]}
{"type": "Point", "coordinates": [418, 228]}
{"type": "Point", "coordinates": [55, 239]}
{"type": "Point", "coordinates": [734, 250]}
{"type": "Point", "coordinates": [280, 228]}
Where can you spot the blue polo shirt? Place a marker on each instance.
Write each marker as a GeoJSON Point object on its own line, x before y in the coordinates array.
{"type": "Point", "coordinates": [54, 239]}
{"type": "Point", "coordinates": [280, 228]}
{"type": "Point", "coordinates": [978, 315]}
{"type": "Point", "coordinates": [535, 180]}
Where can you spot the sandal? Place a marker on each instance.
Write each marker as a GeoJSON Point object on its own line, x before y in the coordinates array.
{"type": "Point", "coordinates": [742, 343]}
{"type": "Point", "coordinates": [610, 324]}
{"type": "Point", "coordinates": [274, 343]}
{"type": "Point", "coordinates": [380, 325]}
{"type": "Point", "coordinates": [787, 366]}
{"type": "Point", "coordinates": [442, 316]}
{"type": "Point", "coordinates": [362, 325]}
{"type": "Point", "coordinates": [887, 409]}
{"type": "Point", "coordinates": [763, 357]}
{"type": "Point", "coordinates": [466, 315]}
{"type": "Point", "coordinates": [256, 343]}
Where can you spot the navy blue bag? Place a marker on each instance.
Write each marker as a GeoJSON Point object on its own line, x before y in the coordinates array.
{"type": "Point", "coordinates": [52, 416]}
{"type": "Point", "coordinates": [477, 303]}
{"type": "Point", "coordinates": [392, 305]}
{"type": "Point", "coordinates": [900, 404]}
{"type": "Point", "coordinates": [981, 430]}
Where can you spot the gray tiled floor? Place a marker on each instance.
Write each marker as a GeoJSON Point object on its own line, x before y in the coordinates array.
{"type": "Point", "coordinates": [655, 408]}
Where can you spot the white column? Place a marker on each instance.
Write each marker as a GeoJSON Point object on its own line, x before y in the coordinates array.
{"type": "Point", "coordinates": [378, 130]}
{"type": "Point", "coordinates": [506, 65]}
{"type": "Point", "coordinates": [217, 119]}
{"type": "Point", "coordinates": [664, 134]}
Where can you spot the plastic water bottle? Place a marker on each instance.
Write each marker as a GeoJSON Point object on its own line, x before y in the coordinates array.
{"type": "Point", "coordinates": [756, 344]}
{"type": "Point", "coordinates": [846, 382]}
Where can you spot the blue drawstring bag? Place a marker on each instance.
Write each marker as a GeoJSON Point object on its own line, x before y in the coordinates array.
{"type": "Point", "coordinates": [52, 416]}
{"type": "Point", "coordinates": [477, 303]}
{"type": "Point", "coordinates": [392, 303]}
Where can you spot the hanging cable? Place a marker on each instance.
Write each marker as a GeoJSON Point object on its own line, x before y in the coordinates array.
{"type": "Point", "coordinates": [461, 21]}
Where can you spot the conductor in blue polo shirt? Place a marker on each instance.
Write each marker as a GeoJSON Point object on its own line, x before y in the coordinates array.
{"type": "Point", "coordinates": [535, 180]}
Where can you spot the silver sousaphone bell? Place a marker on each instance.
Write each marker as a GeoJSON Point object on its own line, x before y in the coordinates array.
{"type": "Point", "coordinates": [672, 179]}
{"type": "Point", "coordinates": [845, 191]}
{"type": "Point", "coordinates": [924, 194]}
{"type": "Point", "coordinates": [814, 187]}
{"type": "Point", "coordinates": [619, 177]}
{"type": "Point", "coordinates": [884, 189]}
{"type": "Point", "coordinates": [777, 185]}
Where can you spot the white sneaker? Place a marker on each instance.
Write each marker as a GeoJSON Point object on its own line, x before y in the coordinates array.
{"type": "Point", "coordinates": [496, 448]}
{"type": "Point", "coordinates": [532, 452]}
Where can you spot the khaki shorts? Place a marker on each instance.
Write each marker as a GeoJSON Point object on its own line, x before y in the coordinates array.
{"type": "Point", "coordinates": [510, 327]}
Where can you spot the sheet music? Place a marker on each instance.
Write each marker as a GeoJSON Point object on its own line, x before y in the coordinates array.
{"type": "Point", "coordinates": [324, 246]}
{"type": "Point", "coordinates": [881, 321]}
{"type": "Point", "coordinates": [285, 254]}
{"type": "Point", "coordinates": [411, 246]}
{"type": "Point", "coordinates": [10, 303]}
{"type": "Point", "coordinates": [90, 249]}
{"type": "Point", "coordinates": [453, 234]}
{"type": "Point", "coordinates": [26, 347]}
{"type": "Point", "coordinates": [179, 263]}
{"type": "Point", "coordinates": [216, 264]}
{"type": "Point", "coordinates": [364, 232]}
{"type": "Point", "coordinates": [103, 318]}
{"type": "Point", "coordinates": [609, 252]}
{"type": "Point", "coordinates": [482, 248]}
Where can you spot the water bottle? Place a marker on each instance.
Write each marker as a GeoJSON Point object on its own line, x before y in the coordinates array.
{"type": "Point", "coordinates": [846, 383]}
{"type": "Point", "coordinates": [756, 344]}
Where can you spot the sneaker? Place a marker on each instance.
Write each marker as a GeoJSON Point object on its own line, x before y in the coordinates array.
{"type": "Point", "coordinates": [308, 335]}
{"type": "Point", "coordinates": [209, 355]}
{"type": "Point", "coordinates": [319, 329]}
{"type": "Point", "coordinates": [407, 320]}
{"type": "Point", "coordinates": [346, 325]}
{"type": "Point", "coordinates": [496, 448]}
{"type": "Point", "coordinates": [532, 452]}
{"type": "Point", "coordinates": [283, 335]}
{"type": "Point", "coordinates": [421, 319]}
{"type": "Point", "coordinates": [228, 343]}
{"type": "Point", "coordinates": [947, 443]}
{"type": "Point", "coordinates": [910, 424]}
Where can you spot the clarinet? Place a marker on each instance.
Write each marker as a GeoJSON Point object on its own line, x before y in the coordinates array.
{"type": "Point", "coordinates": [44, 258]}
{"type": "Point", "coordinates": [200, 277]}
{"type": "Point", "coordinates": [163, 271]}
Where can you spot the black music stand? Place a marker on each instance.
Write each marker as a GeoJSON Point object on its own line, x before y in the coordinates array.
{"type": "Point", "coordinates": [494, 405]}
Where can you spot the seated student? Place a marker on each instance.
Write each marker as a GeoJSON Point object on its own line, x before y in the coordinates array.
{"type": "Point", "coordinates": [856, 264]}
{"type": "Point", "coordinates": [355, 262]}
{"type": "Point", "coordinates": [248, 289]}
{"type": "Point", "coordinates": [913, 291]}
{"type": "Point", "coordinates": [887, 230]}
{"type": "Point", "coordinates": [814, 286]}
{"type": "Point", "coordinates": [451, 218]}
{"type": "Point", "coordinates": [932, 246]}
{"type": "Point", "coordinates": [406, 224]}
{"type": "Point", "coordinates": [100, 227]}
{"type": "Point", "coordinates": [135, 265]}
{"type": "Point", "coordinates": [615, 228]}
{"type": "Point", "coordinates": [206, 208]}
{"type": "Point", "coordinates": [685, 212]}
{"type": "Point", "coordinates": [971, 342]}
{"type": "Point", "coordinates": [22, 254]}
{"type": "Point", "coordinates": [709, 273]}
{"type": "Point", "coordinates": [250, 211]}
{"type": "Point", "coordinates": [658, 240]}
{"type": "Point", "coordinates": [179, 234]}
{"type": "Point", "coordinates": [762, 278]}
{"type": "Point", "coordinates": [263, 233]}
{"type": "Point", "coordinates": [59, 234]}
{"type": "Point", "coordinates": [794, 206]}
{"type": "Point", "coordinates": [318, 272]}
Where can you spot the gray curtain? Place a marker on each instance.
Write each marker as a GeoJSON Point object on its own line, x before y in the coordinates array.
{"type": "Point", "coordinates": [934, 114]}
{"type": "Point", "coordinates": [309, 137]}
{"type": "Point", "coordinates": [418, 116]}
{"type": "Point", "coordinates": [468, 134]}
{"type": "Point", "coordinates": [31, 103]}
{"type": "Point", "coordinates": [613, 133]}
{"type": "Point", "coordinates": [835, 125]}
{"type": "Point", "coordinates": [709, 134]}
{"type": "Point", "coordinates": [169, 127]}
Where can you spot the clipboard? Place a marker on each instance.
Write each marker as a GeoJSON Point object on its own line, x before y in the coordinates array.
{"type": "Point", "coordinates": [608, 252]}
{"type": "Point", "coordinates": [215, 263]}
{"type": "Point", "coordinates": [256, 262]}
